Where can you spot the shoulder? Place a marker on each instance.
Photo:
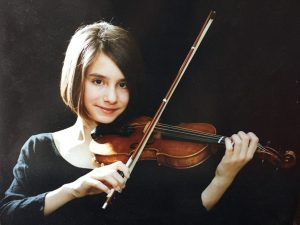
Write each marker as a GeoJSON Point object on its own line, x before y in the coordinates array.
{"type": "Point", "coordinates": [38, 139]}
{"type": "Point", "coordinates": [37, 144]}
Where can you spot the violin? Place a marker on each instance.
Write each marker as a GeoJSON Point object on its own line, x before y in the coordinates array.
{"type": "Point", "coordinates": [183, 146]}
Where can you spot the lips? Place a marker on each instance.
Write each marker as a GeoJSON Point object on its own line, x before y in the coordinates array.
{"type": "Point", "coordinates": [107, 110]}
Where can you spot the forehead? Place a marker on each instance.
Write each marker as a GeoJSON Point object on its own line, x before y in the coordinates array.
{"type": "Point", "coordinates": [104, 66]}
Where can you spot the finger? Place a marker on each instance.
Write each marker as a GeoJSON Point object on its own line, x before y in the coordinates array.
{"type": "Point", "coordinates": [120, 179]}
{"type": "Point", "coordinates": [98, 185]}
{"type": "Point", "coordinates": [244, 144]}
{"type": "Point", "coordinates": [237, 144]}
{"type": "Point", "coordinates": [115, 183]}
{"type": "Point", "coordinates": [121, 167]}
{"type": "Point", "coordinates": [253, 144]}
{"type": "Point", "coordinates": [109, 176]}
{"type": "Point", "coordinates": [229, 146]}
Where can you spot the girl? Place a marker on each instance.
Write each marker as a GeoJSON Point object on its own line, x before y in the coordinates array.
{"type": "Point", "coordinates": [56, 179]}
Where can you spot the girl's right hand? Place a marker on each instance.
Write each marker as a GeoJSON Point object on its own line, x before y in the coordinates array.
{"type": "Point", "coordinates": [100, 180]}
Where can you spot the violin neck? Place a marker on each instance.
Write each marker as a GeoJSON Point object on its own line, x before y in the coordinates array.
{"type": "Point", "coordinates": [182, 134]}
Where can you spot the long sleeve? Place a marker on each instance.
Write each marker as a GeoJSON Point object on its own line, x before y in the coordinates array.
{"type": "Point", "coordinates": [175, 195]}
{"type": "Point", "coordinates": [18, 204]}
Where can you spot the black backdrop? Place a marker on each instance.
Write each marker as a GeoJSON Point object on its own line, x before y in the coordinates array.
{"type": "Point", "coordinates": [245, 76]}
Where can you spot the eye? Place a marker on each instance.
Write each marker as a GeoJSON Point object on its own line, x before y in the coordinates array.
{"type": "Point", "coordinates": [123, 84]}
{"type": "Point", "coordinates": [98, 81]}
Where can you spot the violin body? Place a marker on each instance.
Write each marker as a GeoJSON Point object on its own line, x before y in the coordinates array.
{"type": "Point", "coordinates": [171, 152]}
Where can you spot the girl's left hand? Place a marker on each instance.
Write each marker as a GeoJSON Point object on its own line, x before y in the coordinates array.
{"type": "Point", "coordinates": [239, 150]}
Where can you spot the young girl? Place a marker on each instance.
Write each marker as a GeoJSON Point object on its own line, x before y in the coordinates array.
{"type": "Point", "coordinates": [56, 179]}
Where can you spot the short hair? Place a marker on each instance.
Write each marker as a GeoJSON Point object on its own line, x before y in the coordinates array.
{"type": "Point", "coordinates": [87, 42]}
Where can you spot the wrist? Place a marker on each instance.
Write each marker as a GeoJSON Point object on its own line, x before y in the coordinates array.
{"type": "Point", "coordinates": [222, 181]}
{"type": "Point", "coordinates": [69, 191]}
{"type": "Point", "coordinates": [57, 198]}
{"type": "Point", "coordinates": [215, 190]}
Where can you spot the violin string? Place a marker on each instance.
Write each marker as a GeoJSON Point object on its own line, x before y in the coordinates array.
{"type": "Point", "coordinates": [213, 137]}
{"type": "Point", "coordinates": [266, 153]}
{"type": "Point", "coordinates": [268, 150]}
{"type": "Point", "coordinates": [192, 133]}
{"type": "Point", "coordinates": [173, 130]}
{"type": "Point", "coordinates": [203, 136]}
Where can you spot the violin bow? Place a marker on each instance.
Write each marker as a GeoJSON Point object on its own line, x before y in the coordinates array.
{"type": "Point", "coordinates": [149, 130]}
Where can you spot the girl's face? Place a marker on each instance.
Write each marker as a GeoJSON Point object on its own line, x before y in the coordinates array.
{"type": "Point", "coordinates": [106, 94]}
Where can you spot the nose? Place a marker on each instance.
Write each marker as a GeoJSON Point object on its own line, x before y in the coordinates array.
{"type": "Point", "coordinates": [110, 95]}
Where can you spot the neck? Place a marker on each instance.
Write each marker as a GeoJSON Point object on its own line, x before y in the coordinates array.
{"type": "Point", "coordinates": [83, 129]}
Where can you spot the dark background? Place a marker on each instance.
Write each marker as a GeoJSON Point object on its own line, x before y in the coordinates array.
{"type": "Point", "coordinates": [245, 76]}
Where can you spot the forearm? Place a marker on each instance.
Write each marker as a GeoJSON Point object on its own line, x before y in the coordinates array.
{"type": "Point", "coordinates": [57, 198]}
{"type": "Point", "coordinates": [239, 150]}
{"type": "Point", "coordinates": [214, 191]}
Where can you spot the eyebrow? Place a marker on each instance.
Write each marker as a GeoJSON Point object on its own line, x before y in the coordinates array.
{"type": "Point", "coordinates": [95, 75]}
{"type": "Point", "coordinates": [98, 75]}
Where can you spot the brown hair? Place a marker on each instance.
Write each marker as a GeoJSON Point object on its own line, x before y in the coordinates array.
{"type": "Point", "coordinates": [86, 43]}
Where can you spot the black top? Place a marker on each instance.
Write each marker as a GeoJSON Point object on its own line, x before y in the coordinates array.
{"type": "Point", "coordinates": [153, 194]}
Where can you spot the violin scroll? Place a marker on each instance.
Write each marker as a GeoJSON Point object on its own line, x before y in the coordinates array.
{"type": "Point", "coordinates": [289, 159]}
{"type": "Point", "coordinates": [279, 160]}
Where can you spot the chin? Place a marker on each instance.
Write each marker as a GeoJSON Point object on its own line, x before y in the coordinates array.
{"type": "Point", "coordinates": [106, 120]}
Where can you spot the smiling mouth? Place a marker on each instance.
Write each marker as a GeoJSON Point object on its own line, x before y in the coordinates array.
{"type": "Point", "coordinates": [107, 110]}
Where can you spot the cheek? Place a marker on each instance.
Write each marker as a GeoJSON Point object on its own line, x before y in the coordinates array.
{"type": "Point", "coordinates": [124, 98]}
{"type": "Point", "coordinates": [89, 94]}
